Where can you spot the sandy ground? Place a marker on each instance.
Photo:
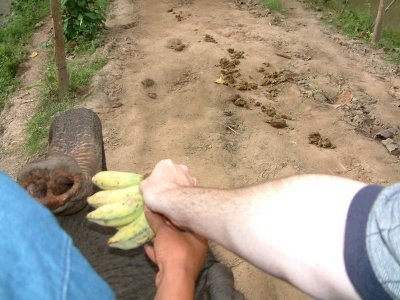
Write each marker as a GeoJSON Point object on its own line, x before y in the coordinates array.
{"type": "Point", "coordinates": [280, 79]}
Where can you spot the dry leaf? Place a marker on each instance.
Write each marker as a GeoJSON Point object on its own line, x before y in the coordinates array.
{"type": "Point", "coordinates": [33, 54]}
{"type": "Point", "coordinates": [220, 80]}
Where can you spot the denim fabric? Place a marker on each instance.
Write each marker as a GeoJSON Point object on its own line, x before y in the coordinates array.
{"type": "Point", "coordinates": [37, 258]}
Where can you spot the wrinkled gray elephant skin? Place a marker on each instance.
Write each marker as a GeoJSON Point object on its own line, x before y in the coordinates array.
{"type": "Point", "coordinates": [62, 182]}
{"type": "Point", "coordinates": [62, 179]}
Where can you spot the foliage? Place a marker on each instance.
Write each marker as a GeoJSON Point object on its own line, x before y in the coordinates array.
{"type": "Point", "coordinates": [358, 23]}
{"type": "Point", "coordinates": [81, 70]}
{"type": "Point", "coordinates": [17, 30]}
{"type": "Point", "coordinates": [391, 43]}
{"type": "Point", "coordinates": [354, 23]}
{"type": "Point", "coordinates": [274, 5]}
{"type": "Point", "coordinates": [83, 18]}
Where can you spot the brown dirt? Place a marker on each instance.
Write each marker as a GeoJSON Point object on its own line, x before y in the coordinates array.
{"type": "Point", "coordinates": [325, 82]}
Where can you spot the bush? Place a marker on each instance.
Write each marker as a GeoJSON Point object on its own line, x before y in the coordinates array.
{"type": "Point", "coordinates": [83, 18]}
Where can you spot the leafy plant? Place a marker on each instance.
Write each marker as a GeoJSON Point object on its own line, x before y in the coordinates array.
{"type": "Point", "coordinates": [358, 23]}
{"type": "Point", "coordinates": [81, 71]}
{"type": "Point", "coordinates": [83, 18]}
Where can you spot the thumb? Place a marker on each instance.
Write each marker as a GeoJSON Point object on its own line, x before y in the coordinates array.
{"type": "Point", "coordinates": [150, 253]}
{"type": "Point", "coordinates": [155, 220]}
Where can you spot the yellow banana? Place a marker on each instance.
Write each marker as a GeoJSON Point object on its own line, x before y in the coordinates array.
{"type": "Point", "coordinates": [111, 180]}
{"type": "Point", "coordinates": [117, 214]}
{"type": "Point", "coordinates": [132, 235]}
{"type": "Point", "coordinates": [111, 196]}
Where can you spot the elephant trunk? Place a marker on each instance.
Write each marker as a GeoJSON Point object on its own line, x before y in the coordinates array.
{"type": "Point", "coordinates": [62, 179]}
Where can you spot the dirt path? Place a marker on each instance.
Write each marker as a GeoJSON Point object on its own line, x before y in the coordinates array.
{"type": "Point", "coordinates": [157, 98]}
{"type": "Point", "coordinates": [182, 114]}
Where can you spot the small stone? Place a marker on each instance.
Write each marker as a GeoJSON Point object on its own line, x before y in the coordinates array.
{"type": "Point", "coordinates": [116, 105]}
{"type": "Point", "coordinates": [247, 86]}
{"type": "Point", "coordinates": [228, 113]}
{"type": "Point", "coordinates": [395, 92]}
{"type": "Point", "coordinates": [261, 70]}
{"type": "Point", "coordinates": [315, 138]}
{"type": "Point", "coordinates": [286, 117]}
{"type": "Point", "coordinates": [391, 146]}
{"type": "Point", "coordinates": [148, 82]}
{"type": "Point", "coordinates": [386, 134]}
{"type": "Point", "coordinates": [210, 39]}
{"type": "Point", "coordinates": [233, 97]}
{"type": "Point", "coordinates": [152, 95]}
{"type": "Point", "coordinates": [176, 44]}
{"type": "Point", "coordinates": [240, 102]}
{"type": "Point", "coordinates": [277, 122]}
{"type": "Point", "coordinates": [269, 110]}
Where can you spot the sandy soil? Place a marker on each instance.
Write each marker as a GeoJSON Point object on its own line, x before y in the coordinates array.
{"type": "Point", "coordinates": [280, 79]}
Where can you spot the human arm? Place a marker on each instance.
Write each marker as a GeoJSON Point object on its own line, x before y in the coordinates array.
{"type": "Point", "coordinates": [292, 228]}
{"type": "Point", "coordinates": [179, 256]}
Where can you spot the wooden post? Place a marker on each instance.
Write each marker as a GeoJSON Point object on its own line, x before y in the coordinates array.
{"type": "Point", "coordinates": [378, 28]}
{"type": "Point", "coordinates": [61, 64]}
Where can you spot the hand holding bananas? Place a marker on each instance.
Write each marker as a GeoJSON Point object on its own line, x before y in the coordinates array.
{"type": "Point", "coordinates": [179, 255]}
{"type": "Point", "coordinates": [158, 189]}
{"type": "Point", "coordinates": [120, 205]}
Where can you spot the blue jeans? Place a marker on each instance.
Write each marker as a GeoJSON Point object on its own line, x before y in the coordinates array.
{"type": "Point", "coordinates": [37, 258]}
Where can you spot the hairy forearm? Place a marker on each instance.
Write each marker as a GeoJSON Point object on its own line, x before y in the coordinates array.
{"type": "Point", "coordinates": [292, 228]}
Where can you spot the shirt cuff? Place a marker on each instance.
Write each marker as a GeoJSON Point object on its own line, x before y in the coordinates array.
{"type": "Point", "coordinates": [357, 263]}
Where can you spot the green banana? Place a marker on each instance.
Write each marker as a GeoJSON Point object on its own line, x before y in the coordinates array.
{"type": "Point", "coordinates": [112, 180]}
{"type": "Point", "coordinates": [112, 196]}
{"type": "Point", "coordinates": [117, 214]}
{"type": "Point", "coordinates": [132, 235]}
{"type": "Point", "coordinates": [120, 205]}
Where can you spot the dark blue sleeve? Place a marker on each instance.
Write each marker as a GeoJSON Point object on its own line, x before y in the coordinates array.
{"type": "Point", "coordinates": [357, 263]}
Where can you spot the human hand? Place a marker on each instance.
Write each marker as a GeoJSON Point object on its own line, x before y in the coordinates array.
{"type": "Point", "coordinates": [178, 254]}
{"type": "Point", "coordinates": [165, 176]}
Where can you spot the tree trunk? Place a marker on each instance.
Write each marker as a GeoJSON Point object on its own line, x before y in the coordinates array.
{"type": "Point", "coordinates": [379, 22]}
{"type": "Point", "coordinates": [62, 73]}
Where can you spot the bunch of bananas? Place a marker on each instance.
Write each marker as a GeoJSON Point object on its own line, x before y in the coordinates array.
{"type": "Point", "coordinates": [120, 205]}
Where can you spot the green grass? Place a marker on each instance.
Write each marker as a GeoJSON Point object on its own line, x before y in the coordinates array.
{"type": "Point", "coordinates": [81, 71]}
{"type": "Point", "coordinates": [359, 24]}
{"type": "Point", "coordinates": [13, 36]}
{"type": "Point", "coordinates": [354, 24]}
{"type": "Point", "coordinates": [391, 42]}
{"type": "Point", "coordinates": [274, 5]}
{"type": "Point", "coordinates": [38, 126]}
